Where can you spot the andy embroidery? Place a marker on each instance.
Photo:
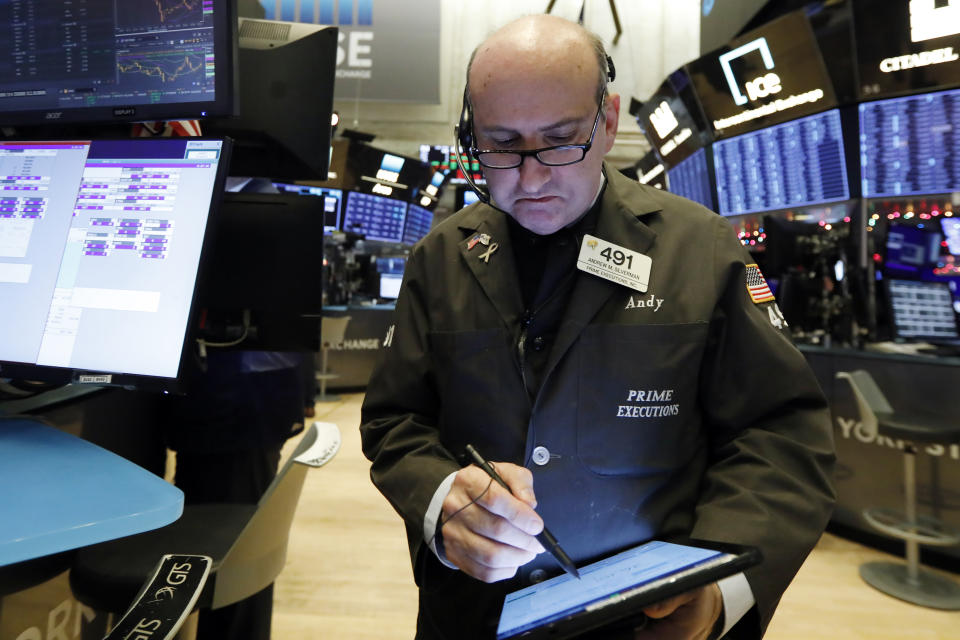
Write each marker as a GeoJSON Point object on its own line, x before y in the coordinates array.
{"type": "Point", "coordinates": [651, 302]}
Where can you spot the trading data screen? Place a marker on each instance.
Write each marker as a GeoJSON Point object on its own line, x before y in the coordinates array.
{"type": "Point", "coordinates": [99, 248]}
{"type": "Point", "coordinates": [951, 232]}
{"type": "Point", "coordinates": [908, 146]}
{"type": "Point", "coordinates": [443, 158]}
{"type": "Point", "coordinates": [418, 223]}
{"type": "Point", "coordinates": [56, 54]}
{"type": "Point", "coordinates": [375, 217]}
{"type": "Point", "coordinates": [922, 310]}
{"type": "Point", "coordinates": [691, 179]}
{"type": "Point", "coordinates": [796, 163]}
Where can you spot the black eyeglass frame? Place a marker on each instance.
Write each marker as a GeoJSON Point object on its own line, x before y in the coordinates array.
{"type": "Point", "coordinates": [584, 149]}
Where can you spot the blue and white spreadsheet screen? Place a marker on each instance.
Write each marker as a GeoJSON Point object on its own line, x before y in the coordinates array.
{"type": "Point", "coordinates": [796, 163]}
{"type": "Point", "coordinates": [909, 146]}
{"type": "Point", "coordinates": [99, 248]}
{"type": "Point", "coordinates": [418, 223]}
{"type": "Point", "coordinates": [375, 217]}
{"type": "Point", "coordinates": [691, 179]}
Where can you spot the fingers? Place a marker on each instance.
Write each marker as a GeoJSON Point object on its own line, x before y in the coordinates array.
{"type": "Point", "coordinates": [488, 532]}
{"type": "Point", "coordinates": [664, 608]}
{"type": "Point", "coordinates": [688, 616]}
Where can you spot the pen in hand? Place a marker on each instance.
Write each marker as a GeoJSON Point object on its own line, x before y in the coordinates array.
{"type": "Point", "coordinates": [544, 537]}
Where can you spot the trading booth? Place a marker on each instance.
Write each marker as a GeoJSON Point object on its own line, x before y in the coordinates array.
{"type": "Point", "coordinates": [828, 138]}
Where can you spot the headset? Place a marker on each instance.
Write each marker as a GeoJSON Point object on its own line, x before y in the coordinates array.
{"type": "Point", "coordinates": [463, 143]}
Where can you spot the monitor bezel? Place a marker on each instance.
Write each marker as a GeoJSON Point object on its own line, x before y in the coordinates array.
{"type": "Point", "coordinates": [97, 378]}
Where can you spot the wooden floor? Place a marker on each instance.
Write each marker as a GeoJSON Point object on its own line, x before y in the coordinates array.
{"type": "Point", "coordinates": [348, 575]}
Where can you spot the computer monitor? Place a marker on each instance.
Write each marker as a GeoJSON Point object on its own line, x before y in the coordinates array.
{"type": "Point", "coordinates": [100, 249]}
{"type": "Point", "coordinates": [921, 310]}
{"type": "Point", "coordinates": [265, 276]}
{"type": "Point", "coordinates": [390, 285]}
{"type": "Point", "coordinates": [375, 217]}
{"type": "Point", "coordinates": [691, 179]}
{"type": "Point", "coordinates": [951, 231]}
{"type": "Point", "coordinates": [419, 220]}
{"type": "Point", "coordinates": [443, 158]}
{"type": "Point", "coordinates": [907, 145]}
{"type": "Point", "coordinates": [95, 62]}
{"type": "Point", "coordinates": [332, 200]}
{"type": "Point", "coordinates": [465, 196]}
{"type": "Point", "coordinates": [910, 249]}
{"type": "Point", "coordinates": [797, 163]}
{"type": "Point", "coordinates": [286, 100]}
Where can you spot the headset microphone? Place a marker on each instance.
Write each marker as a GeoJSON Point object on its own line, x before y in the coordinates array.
{"type": "Point", "coordinates": [463, 143]}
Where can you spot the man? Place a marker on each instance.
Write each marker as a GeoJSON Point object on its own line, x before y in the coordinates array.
{"type": "Point", "coordinates": [669, 409]}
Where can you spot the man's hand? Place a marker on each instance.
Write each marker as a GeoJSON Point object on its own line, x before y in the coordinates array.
{"type": "Point", "coordinates": [493, 537]}
{"type": "Point", "coordinates": [688, 616]}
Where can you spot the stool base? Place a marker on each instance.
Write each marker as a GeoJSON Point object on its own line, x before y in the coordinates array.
{"type": "Point", "coordinates": [929, 590]}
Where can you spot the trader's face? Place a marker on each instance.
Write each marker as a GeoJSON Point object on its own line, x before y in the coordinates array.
{"type": "Point", "coordinates": [529, 103]}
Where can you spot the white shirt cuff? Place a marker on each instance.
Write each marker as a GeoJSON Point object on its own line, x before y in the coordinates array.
{"type": "Point", "coordinates": [432, 517]}
{"type": "Point", "coordinates": [737, 599]}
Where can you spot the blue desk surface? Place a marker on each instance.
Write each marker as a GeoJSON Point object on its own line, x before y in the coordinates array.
{"type": "Point", "coordinates": [59, 492]}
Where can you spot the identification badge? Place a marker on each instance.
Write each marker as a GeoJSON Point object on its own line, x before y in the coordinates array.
{"type": "Point", "coordinates": [614, 263]}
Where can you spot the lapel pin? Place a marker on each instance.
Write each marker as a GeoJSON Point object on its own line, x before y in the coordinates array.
{"type": "Point", "coordinates": [485, 256]}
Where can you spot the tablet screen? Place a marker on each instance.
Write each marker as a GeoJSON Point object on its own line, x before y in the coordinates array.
{"type": "Point", "coordinates": [604, 582]}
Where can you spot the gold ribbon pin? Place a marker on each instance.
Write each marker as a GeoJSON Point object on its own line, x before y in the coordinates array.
{"type": "Point", "coordinates": [486, 255]}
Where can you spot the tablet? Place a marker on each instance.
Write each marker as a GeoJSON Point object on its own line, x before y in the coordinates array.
{"type": "Point", "coordinates": [617, 587]}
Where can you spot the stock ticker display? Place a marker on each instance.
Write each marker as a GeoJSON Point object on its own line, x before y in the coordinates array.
{"type": "Point", "coordinates": [796, 163]}
{"type": "Point", "coordinates": [88, 52]}
{"type": "Point", "coordinates": [691, 179]}
{"type": "Point", "coordinates": [910, 145]}
{"type": "Point", "coordinates": [375, 217]}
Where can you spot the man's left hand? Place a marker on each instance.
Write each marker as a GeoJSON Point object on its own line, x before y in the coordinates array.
{"type": "Point", "coordinates": [688, 616]}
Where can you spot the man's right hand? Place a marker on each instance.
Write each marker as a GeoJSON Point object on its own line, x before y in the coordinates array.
{"type": "Point", "coordinates": [494, 536]}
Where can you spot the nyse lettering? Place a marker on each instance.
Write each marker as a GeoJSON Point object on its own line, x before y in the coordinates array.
{"type": "Point", "coordinates": [144, 629]}
{"type": "Point", "coordinates": [356, 49]}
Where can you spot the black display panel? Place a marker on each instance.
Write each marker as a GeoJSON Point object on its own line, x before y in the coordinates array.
{"type": "Point", "coordinates": [96, 61]}
{"type": "Point", "coordinates": [669, 126]}
{"type": "Point", "coordinates": [331, 203]}
{"type": "Point", "coordinates": [375, 217]}
{"type": "Point", "coordinates": [418, 223]}
{"type": "Point", "coordinates": [100, 251]}
{"type": "Point", "coordinates": [285, 101]}
{"type": "Point", "coordinates": [797, 163]}
{"type": "Point", "coordinates": [905, 47]}
{"type": "Point", "coordinates": [691, 179]}
{"type": "Point", "coordinates": [910, 145]}
{"type": "Point", "coordinates": [767, 76]}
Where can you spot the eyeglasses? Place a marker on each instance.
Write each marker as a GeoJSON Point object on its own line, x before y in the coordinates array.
{"type": "Point", "coordinates": [557, 156]}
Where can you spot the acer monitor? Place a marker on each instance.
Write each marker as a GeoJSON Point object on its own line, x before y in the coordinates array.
{"type": "Point", "coordinates": [102, 62]}
{"type": "Point", "coordinates": [102, 244]}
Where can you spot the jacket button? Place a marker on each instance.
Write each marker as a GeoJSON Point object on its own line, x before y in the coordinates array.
{"type": "Point", "coordinates": [541, 455]}
{"type": "Point", "coordinates": [537, 575]}
{"type": "Point", "coordinates": [538, 343]}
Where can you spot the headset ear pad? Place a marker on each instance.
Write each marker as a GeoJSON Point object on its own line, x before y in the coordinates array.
{"type": "Point", "coordinates": [465, 129]}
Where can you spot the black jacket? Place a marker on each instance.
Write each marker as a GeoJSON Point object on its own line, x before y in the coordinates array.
{"type": "Point", "coordinates": [682, 411]}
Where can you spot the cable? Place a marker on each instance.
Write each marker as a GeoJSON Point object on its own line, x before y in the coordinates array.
{"type": "Point", "coordinates": [203, 344]}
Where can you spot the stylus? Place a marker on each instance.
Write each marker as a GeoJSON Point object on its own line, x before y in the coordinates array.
{"type": "Point", "coordinates": [545, 537]}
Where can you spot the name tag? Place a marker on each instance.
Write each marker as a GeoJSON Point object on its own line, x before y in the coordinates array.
{"type": "Point", "coordinates": [614, 263]}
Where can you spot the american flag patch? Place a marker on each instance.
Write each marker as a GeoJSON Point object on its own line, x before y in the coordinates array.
{"type": "Point", "coordinates": [757, 286]}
